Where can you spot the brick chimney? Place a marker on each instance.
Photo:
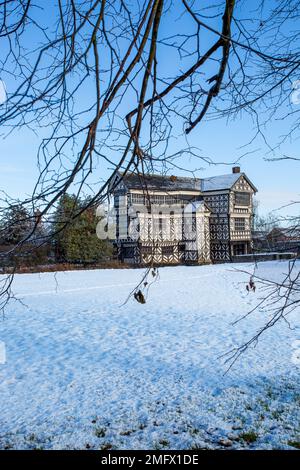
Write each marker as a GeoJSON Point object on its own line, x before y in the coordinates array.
{"type": "Point", "coordinates": [236, 169]}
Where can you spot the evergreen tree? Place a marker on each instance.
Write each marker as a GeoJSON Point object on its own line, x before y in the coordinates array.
{"type": "Point", "coordinates": [15, 225]}
{"type": "Point", "coordinates": [75, 237]}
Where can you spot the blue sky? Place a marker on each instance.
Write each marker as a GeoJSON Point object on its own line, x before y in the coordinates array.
{"type": "Point", "coordinates": [222, 141]}
{"type": "Point", "coordinates": [277, 182]}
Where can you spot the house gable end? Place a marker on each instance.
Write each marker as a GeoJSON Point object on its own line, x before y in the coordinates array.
{"type": "Point", "coordinates": [243, 184]}
{"type": "Point", "coordinates": [117, 184]}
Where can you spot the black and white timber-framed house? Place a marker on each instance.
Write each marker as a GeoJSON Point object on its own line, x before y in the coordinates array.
{"type": "Point", "coordinates": [174, 219]}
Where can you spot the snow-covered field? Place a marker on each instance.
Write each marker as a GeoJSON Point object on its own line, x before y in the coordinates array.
{"type": "Point", "coordinates": [83, 371]}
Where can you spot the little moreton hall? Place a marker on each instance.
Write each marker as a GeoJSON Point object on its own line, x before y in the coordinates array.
{"type": "Point", "coordinates": [174, 219]}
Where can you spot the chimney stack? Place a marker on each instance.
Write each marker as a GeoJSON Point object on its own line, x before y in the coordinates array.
{"type": "Point", "coordinates": [236, 169]}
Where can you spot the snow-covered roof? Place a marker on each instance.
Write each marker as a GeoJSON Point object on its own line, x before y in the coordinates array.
{"type": "Point", "coordinates": [181, 183]}
{"type": "Point", "coordinates": [216, 183]}
{"type": "Point", "coordinates": [161, 182]}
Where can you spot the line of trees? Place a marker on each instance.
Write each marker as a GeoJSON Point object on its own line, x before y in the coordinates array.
{"type": "Point", "coordinates": [75, 239]}
{"type": "Point", "coordinates": [64, 237]}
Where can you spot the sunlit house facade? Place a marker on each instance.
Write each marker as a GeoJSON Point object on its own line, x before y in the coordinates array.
{"type": "Point", "coordinates": [174, 219]}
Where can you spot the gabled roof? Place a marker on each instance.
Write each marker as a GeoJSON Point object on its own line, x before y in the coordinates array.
{"type": "Point", "coordinates": [217, 183]}
{"type": "Point", "coordinates": [288, 232]}
{"type": "Point", "coordinates": [181, 183]}
{"type": "Point", "coordinates": [161, 182]}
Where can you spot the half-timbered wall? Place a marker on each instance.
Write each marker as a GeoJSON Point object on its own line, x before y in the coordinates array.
{"type": "Point", "coordinates": [240, 211]}
{"type": "Point", "coordinates": [223, 222]}
{"type": "Point", "coordinates": [163, 240]}
{"type": "Point", "coordinates": [231, 218]}
{"type": "Point", "coordinates": [218, 203]}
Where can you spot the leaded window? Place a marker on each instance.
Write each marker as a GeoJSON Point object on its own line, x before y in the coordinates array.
{"type": "Point", "coordinates": [146, 250]}
{"type": "Point", "coordinates": [242, 199]}
{"type": "Point", "coordinates": [239, 224]}
{"type": "Point", "coordinates": [167, 250]}
{"type": "Point", "coordinates": [137, 199]}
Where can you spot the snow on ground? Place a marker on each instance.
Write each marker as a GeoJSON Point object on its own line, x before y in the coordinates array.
{"type": "Point", "coordinates": [83, 371]}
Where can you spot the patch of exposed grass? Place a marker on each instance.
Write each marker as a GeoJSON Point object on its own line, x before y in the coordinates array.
{"type": "Point", "coordinates": [106, 446]}
{"type": "Point", "coordinates": [276, 414]}
{"type": "Point", "coordinates": [264, 404]}
{"type": "Point", "coordinates": [194, 431]}
{"type": "Point", "coordinates": [164, 442]}
{"type": "Point", "coordinates": [100, 432]}
{"type": "Point", "coordinates": [249, 437]}
{"type": "Point", "coordinates": [127, 433]}
{"type": "Point", "coordinates": [295, 444]}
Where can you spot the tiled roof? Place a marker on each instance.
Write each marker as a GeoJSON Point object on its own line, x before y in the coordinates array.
{"type": "Point", "coordinates": [161, 182]}
{"type": "Point", "coordinates": [181, 183]}
{"type": "Point", "coordinates": [215, 183]}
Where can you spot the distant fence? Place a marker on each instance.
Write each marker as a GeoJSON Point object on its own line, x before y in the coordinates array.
{"type": "Point", "coordinates": [252, 257]}
{"type": "Point", "coordinates": [285, 246]}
